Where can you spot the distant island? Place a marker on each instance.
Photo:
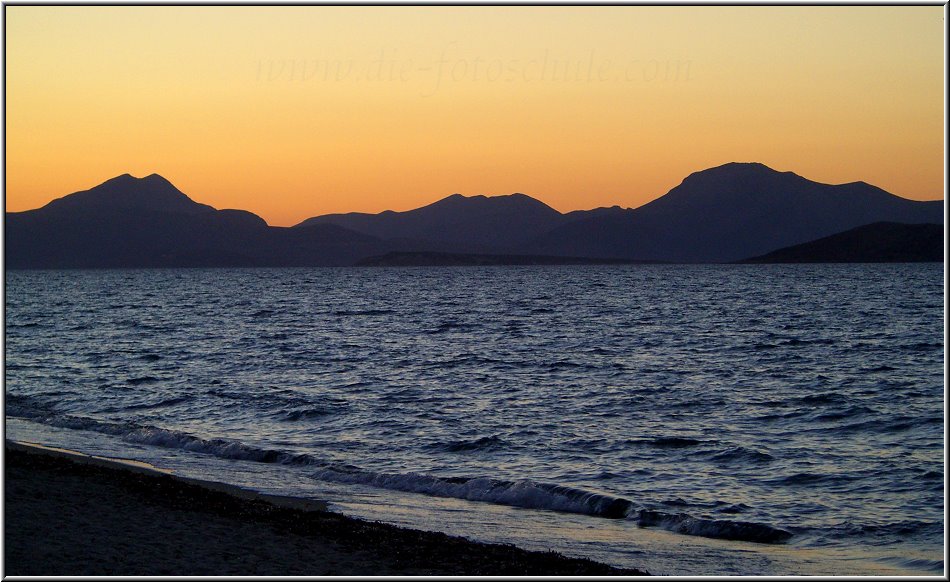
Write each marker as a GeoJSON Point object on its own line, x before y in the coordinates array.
{"type": "Point", "coordinates": [724, 214]}
{"type": "Point", "coordinates": [430, 259]}
{"type": "Point", "coordinates": [881, 242]}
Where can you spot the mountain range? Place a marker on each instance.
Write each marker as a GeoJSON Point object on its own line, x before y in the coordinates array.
{"type": "Point", "coordinates": [723, 214]}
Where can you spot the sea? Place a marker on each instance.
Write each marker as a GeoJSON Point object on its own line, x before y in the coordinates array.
{"type": "Point", "coordinates": [683, 419]}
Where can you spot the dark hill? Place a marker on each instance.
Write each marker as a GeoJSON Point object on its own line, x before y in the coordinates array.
{"type": "Point", "coordinates": [147, 222]}
{"type": "Point", "coordinates": [731, 212]}
{"type": "Point", "coordinates": [152, 193]}
{"type": "Point", "coordinates": [881, 242]}
{"type": "Point", "coordinates": [427, 259]}
{"type": "Point", "coordinates": [456, 222]}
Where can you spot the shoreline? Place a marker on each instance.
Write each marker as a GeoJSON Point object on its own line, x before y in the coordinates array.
{"type": "Point", "coordinates": [66, 513]}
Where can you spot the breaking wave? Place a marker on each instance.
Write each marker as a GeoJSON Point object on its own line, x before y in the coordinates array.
{"type": "Point", "coordinates": [517, 493]}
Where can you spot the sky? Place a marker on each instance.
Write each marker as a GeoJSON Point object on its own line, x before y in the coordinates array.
{"type": "Point", "coordinates": [293, 112]}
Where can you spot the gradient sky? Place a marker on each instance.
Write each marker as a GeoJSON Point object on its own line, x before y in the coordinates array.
{"type": "Point", "coordinates": [291, 112]}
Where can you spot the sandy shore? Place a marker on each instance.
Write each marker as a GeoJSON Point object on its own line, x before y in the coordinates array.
{"type": "Point", "coordinates": [69, 516]}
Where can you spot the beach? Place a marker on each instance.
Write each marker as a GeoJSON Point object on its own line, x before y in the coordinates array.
{"type": "Point", "coordinates": [69, 515]}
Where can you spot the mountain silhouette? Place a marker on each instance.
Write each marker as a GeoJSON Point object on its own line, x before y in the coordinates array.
{"type": "Point", "coordinates": [456, 222]}
{"type": "Point", "coordinates": [430, 259]}
{"type": "Point", "coordinates": [148, 222]}
{"type": "Point", "coordinates": [722, 214]}
{"type": "Point", "coordinates": [731, 212]}
{"type": "Point", "coordinates": [152, 193]}
{"type": "Point", "coordinates": [881, 242]}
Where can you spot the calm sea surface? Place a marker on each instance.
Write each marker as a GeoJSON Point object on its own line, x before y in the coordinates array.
{"type": "Point", "coordinates": [686, 419]}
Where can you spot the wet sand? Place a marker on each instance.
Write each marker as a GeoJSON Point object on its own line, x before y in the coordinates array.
{"type": "Point", "coordinates": [65, 515]}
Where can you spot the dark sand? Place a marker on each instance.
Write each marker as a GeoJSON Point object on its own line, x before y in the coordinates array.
{"type": "Point", "coordinates": [68, 517]}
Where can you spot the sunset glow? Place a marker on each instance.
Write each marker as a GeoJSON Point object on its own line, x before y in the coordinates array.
{"type": "Point", "coordinates": [292, 112]}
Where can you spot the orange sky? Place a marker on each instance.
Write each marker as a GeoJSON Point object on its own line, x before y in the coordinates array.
{"type": "Point", "coordinates": [291, 112]}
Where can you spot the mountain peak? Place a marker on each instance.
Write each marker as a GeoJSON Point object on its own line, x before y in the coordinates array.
{"type": "Point", "coordinates": [474, 222]}
{"type": "Point", "coordinates": [742, 175]}
{"type": "Point", "coordinates": [129, 176]}
{"type": "Point", "coordinates": [153, 177]}
{"type": "Point", "coordinates": [126, 192]}
{"type": "Point", "coordinates": [127, 180]}
{"type": "Point", "coordinates": [481, 201]}
{"type": "Point", "coordinates": [752, 165]}
{"type": "Point", "coordinates": [738, 169]}
{"type": "Point", "coordinates": [120, 179]}
{"type": "Point", "coordinates": [498, 198]}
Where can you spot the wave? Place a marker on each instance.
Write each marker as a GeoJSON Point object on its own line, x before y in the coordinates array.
{"type": "Point", "coordinates": [464, 360]}
{"type": "Point", "coordinates": [734, 508]}
{"type": "Point", "coordinates": [346, 313]}
{"type": "Point", "coordinates": [26, 407]}
{"type": "Point", "coordinates": [519, 493]}
{"type": "Point", "coordinates": [881, 368]}
{"type": "Point", "coordinates": [11, 366]}
{"type": "Point", "coordinates": [757, 347]}
{"type": "Point", "coordinates": [714, 528]}
{"type": "Point", "coordinates": [489, 443]}
{"type": "Point", "coordinates": [223, 448]}
{"type": "Point", "coordinates": [161, 403]}
{"type": "Point", "coordinates": [932, 476]}
{"type": "Point", "coordinates": [451, 326]}
{"type": "Point", "coordinates": [884, 534]}
{"type": "Point", "coordinates": [567, 364]}
{"type": "Point", "coordinates": [824, 398]}
{"type": "Point", "coordinates": [849, 412]}
{"type": "Point", "coordinates": [667, 442]}
{"type": "Point", "coordinates": [538, 495]}
{"type": "Point", "coordinates": [922, 346]}
{"type": "Point", "coordinates": [922, 564]}
{"type": "Point", "coordinates": [143, 380]}
{"type": "Point", "coordinates": [306, 413]}
{"type": "Point", "coordinates": [699, 403]}
{"type": "Point", "coordinates": [803, 342]}
{"type": "Point", "coordinates": [900, 529]}
{"type": "Point", "coordinates": [893, 425]}
{"type": "Point", "coordinates": [742, 455]}
{"type": "Point", "coordinates": [812, 478]}
{"type": "Point", "coordinates": [286, 402]}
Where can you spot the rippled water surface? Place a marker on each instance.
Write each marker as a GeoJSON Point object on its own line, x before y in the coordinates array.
{"type": "Point", "coordinates": [775, 419]}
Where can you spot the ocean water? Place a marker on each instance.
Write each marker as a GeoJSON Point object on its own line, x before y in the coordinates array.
{"type": "Point", "coordinates": [753, 419]}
